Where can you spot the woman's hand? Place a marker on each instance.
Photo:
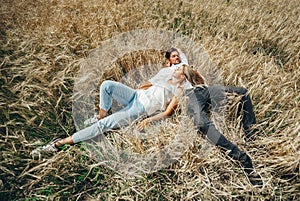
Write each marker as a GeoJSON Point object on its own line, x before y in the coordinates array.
{"type": "Point", "coordinates": [142, 124]}
{"type": "Point", "coordinates": [170, 108]}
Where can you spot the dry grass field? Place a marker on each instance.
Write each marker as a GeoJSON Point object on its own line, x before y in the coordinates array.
{"type": "Point", "coordinates": [255, 44]}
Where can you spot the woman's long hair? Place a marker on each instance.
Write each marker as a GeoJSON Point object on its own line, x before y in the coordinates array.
{"type": "Point", "coordinates": [193, 76]}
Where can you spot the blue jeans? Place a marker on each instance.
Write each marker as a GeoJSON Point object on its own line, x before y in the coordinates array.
{"type": "Point", "coordinates": [124, 95]}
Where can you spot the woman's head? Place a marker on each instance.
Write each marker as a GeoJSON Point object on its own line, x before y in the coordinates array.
{"type": "Point", "coordinates": [185, 72]}
{"type": "Point", "coordinates": [172, 56]}
{"type": "Point", "coordinates": [193, 76]}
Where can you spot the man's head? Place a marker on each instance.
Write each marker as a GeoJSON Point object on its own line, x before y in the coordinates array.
{"type": "Point", "coordinates": [172, 56]}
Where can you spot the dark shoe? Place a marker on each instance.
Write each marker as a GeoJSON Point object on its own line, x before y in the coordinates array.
{"type": "Point", "coordinates": [255, 179]}
{"type": "Point", "coordinates": [246, 162]}
{"type": "Point", "coordinates": [243, 158]}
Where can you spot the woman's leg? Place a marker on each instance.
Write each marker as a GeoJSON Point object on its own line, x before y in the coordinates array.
{"type": "Point", "coordinates": [124, 117]}
{"type": "Point", "coordinates": [207, 127]}
{"type": "Point", "coordinates": [110, 90]}
{"type": "Point", "coordinates": [231, 149]}
{"type": "Point", "coordinates": [197, 110]}
{"type": "Point", "coordinates": [243, 158]}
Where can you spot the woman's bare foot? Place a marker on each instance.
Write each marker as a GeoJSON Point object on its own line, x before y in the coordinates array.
{"type": "Point", "coordinates": [102, 114]}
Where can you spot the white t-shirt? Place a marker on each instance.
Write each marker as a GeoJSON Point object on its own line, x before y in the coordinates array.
{"type": "Point", "coordinates": [157, 97]}
{"type": "Point", "coordinates": [166, 74]}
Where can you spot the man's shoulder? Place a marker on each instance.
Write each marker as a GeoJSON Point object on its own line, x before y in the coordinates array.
{"type": "Point", "coordinates": [166, 69]}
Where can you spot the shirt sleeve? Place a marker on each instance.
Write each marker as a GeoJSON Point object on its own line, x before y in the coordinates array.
{"type": "Point", "coordinates": [183, 59]}
{"type": "Point", "coordinates": [162, 76]}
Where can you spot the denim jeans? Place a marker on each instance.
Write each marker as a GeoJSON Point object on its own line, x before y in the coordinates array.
{"type": "Point", "coordinates": [124, 95]}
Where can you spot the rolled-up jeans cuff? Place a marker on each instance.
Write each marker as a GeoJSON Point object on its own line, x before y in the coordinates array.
{"type": "Point", "coordinates": [87, 133]}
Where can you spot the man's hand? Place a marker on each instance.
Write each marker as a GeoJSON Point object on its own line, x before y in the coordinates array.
{"type": "Point", "coordinates": [167, 64]}
{"type": "Point", "coordinates": [145, 85]}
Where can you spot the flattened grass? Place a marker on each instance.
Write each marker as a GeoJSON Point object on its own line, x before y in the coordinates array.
{"type": "Point", "coordinates": [254, 44]}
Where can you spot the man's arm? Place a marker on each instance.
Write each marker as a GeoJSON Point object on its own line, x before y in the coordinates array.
{"type": "Point", "coordinates": [145, 85]}
{"type": "Point", "coordinates": [164, 73]}
{"type": "Point", "coordinates": [183, 58]}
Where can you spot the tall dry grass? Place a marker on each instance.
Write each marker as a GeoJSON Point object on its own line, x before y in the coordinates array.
{"type": "Point", "coordinates": [254, 43]}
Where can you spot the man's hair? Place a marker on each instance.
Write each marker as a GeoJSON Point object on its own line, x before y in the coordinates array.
{"type": "Point", "coordinates": [169, 51]}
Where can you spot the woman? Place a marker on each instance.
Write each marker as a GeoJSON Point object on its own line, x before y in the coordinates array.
{"type": "Point", "coordinates": [161, 96]}
{"type": "Point", "coordinates": [201, 99]}
{"type": "Point", "coordinates": [174, 59]}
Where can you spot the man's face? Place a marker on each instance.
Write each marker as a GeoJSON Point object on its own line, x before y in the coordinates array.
{"type": "Point", "coordinates": [174, 58]}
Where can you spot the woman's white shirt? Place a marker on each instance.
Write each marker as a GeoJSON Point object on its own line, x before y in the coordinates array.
{"type": "Point", "coordinates": [157, 97]}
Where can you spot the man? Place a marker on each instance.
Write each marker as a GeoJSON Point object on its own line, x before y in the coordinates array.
{"type": "Point", "coordinates": [174, 59]}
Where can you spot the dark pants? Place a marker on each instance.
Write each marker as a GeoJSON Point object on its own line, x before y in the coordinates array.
{"type": "Point", "coordinates": [218, 100]}
{"type": "Point", "coordinates": [202, 100]}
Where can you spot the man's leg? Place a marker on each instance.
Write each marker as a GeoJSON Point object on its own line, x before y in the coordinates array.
{"type": "Point", "coordinates": [245, 109]}
{"type": "Point", "coordinates": [122, 118]}
{"type": "Point", "coordinates": [197, 109]}
{"type": "Point", "coordinates": [219, 100]}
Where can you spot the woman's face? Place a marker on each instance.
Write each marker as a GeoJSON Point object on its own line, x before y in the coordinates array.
{"type": "Point", "coordinates": [179, 74]}
{"type": "Point", "coordinates": [174, 58]}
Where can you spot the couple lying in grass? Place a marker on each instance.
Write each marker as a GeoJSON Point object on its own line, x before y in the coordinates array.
{"type": "Point", "coordinates": [163, 93]}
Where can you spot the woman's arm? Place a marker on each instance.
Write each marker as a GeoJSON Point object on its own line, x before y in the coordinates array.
{"type": "Point", "coordinates": [170, 108]}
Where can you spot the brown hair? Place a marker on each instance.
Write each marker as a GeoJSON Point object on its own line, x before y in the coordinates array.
{"type": "Point", "coordinates": [193, 76]}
